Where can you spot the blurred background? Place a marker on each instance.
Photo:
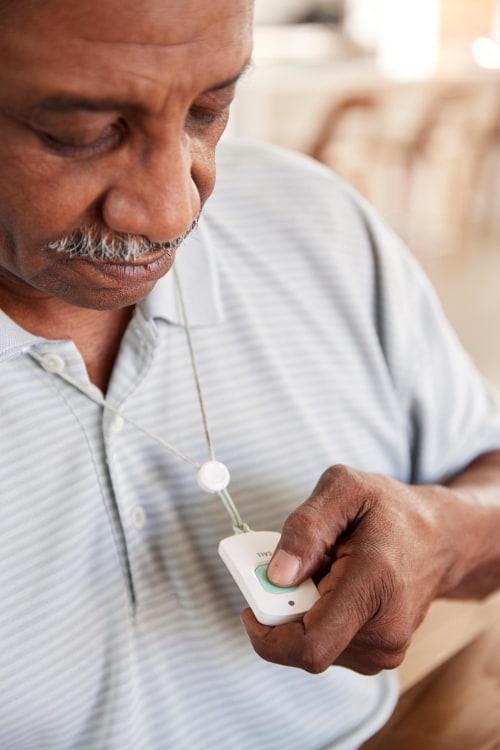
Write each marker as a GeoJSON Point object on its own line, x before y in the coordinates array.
{"type": "Point", "coordinates": [402, 99]}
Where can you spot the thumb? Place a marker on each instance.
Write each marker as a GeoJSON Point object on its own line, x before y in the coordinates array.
{"type": "Point", "coordinates": [284, 568]}
{"type": "Point", "coordinates": [305, 541]}
{"type": "Point", "coordinates": [311, 531]}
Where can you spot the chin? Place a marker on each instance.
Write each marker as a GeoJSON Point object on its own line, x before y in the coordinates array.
{"type": "Point", "coordinates": [107, 299]}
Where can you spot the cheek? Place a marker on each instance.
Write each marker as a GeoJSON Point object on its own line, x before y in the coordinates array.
{"type": "Point", "coordinates": [40, 205]}
{"type": "Point", "coordinates": [203, 167]}
{"type": "Point", "coordinates": [35, 208]}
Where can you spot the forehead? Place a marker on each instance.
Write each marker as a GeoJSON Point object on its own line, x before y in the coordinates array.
{"type": "Point", "coordinates": [76, 44]}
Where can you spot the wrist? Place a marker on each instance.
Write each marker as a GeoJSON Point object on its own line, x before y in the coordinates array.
{"type": "Point", "coordinates": [471, 542]}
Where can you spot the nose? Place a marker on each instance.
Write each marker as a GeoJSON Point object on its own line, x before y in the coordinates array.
{"type": "Point", "coordinates": [154, 194]}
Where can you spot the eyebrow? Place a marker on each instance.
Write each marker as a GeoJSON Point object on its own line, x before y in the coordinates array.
{"type": "Point", "coordinates": [68, 102]}
{"type": "Point", "coordinates": [231, 81]}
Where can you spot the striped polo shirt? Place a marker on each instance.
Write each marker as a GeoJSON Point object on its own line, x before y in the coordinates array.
{"type": "Point", "coordinates": [318, 341]}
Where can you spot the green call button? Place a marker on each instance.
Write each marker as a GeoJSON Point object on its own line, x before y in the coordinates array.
{"type": "Point", "coordinates": [261, 573]}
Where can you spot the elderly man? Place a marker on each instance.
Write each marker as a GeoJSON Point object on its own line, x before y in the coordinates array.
{"type": "Point", "coordinates": [315, 343]}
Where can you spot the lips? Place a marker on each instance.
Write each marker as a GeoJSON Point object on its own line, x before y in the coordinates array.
{"type": "Point", "coordinates": [147, 269]}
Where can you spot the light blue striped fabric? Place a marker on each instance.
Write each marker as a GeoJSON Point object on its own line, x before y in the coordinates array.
{"type": "Point", "coordinates": [318, 342]}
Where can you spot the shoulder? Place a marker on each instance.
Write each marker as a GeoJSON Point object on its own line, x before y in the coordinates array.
{"type": "Point", "coordinates": [271, 189]}
{"type": "Point", "coordinates": [266, 163]}
{"type": "Point", "coordinates": [265, 186]}
{"type": "Point", "coordinates": [240, 152]}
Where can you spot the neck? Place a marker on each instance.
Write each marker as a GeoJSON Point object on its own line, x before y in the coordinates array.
{"type": "Point", "coordinates": [96, 333]}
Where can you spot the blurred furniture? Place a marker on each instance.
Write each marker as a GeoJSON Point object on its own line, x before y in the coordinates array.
{"type": "Point", "coordinates": [449, 164]}
{"type": "Point", "coordinates": [353, 117]}
{"type": "Point", "coordinates": [488, 170]}
{"type": "Point", "coordinates": [368, 138]}
{"type": "Point", "coordinates": [431, 174]}
{"type": "Point", "coordinates": [424, 153]}
{"type": "Point", "coordinates": [449, 626]}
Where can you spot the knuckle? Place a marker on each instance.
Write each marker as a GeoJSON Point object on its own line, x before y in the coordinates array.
{"type": "Point", "coordinates": [390, 647]}
{"type": "Point", "coordinates": [265, 651]}
{"type": "Point", "coordinates": [334, 502]}
{"type": "Point", "coordinates": [370, 660]}
{"type": "Point", "coordinates": [306, 525]}
{"type": "Point", "coordinates": [388, 659]}
{"type": "Point", "coordinates": [315, 659]}
{"type": "Point", "coordinates": [340, 476]}
{"type": "Point", "coordinates": [348, 488]}
{"type": "Point", "coordinates": [392, 661]}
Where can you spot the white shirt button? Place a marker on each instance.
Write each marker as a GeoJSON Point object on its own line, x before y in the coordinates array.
{"type": "Point", "coordinates": [52, 363]}
{"type": "Point", "coordinates": [138, 517]}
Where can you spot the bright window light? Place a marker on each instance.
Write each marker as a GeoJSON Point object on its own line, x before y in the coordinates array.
{"type": "Point", "coordinates": [408, 44]}
{"type": "Point", "coordinates": [486, 52]}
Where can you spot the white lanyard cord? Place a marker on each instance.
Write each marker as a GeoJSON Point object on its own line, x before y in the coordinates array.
{"type": "Point", "coordinates": [52, 364]}
{"type": "Point", "coordinates": [46, 362]}
{"type": "Point", "coordinates": [194, 365]}
{"type": "Point", "coordinates": [239, 526]}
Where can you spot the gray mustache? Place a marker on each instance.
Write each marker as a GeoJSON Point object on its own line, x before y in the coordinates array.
{"type": "Point", "coordinates": [92, 243]}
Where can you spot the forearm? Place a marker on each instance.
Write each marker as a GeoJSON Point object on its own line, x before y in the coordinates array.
{"type": "Point", "coordinates": [475, 522]}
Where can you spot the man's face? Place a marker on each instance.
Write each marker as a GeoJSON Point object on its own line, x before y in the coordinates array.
{"type": "Point", "coordinates": [110, 112]}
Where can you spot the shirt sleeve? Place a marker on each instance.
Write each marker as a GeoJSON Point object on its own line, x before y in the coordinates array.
{"type": "Point", "coordinates": [452, 412]}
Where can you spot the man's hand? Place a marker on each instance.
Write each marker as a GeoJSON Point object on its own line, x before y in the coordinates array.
{"type": "Point", "coordinates": [380, 552]}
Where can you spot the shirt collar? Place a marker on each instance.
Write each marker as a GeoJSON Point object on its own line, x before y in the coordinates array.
{"type": "Point", "coordinates": [14, 340]}
{"type": "Point", "coordinates": [197, 270]}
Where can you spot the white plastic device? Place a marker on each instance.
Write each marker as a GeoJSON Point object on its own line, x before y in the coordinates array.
{"type": "Point", "coordinates": [247, 556]}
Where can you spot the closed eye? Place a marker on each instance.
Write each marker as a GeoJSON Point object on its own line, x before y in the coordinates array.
{"type": "Point", "coordinates": [201, 117]}
{"type": "Point", "coordinates": [75, 144]}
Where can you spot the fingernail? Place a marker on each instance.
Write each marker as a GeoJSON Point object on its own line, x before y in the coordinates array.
{"type": "Point", "coordinates": [283, 569]}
